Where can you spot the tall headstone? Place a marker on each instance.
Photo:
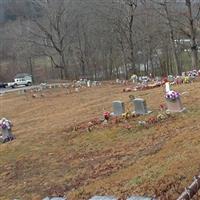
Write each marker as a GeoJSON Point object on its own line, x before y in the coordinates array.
{"type": "Point", "coordinates": [6, 131]}
{"type": "Point", "coordinates": [167, 87]}
{"type": "Point", "coordinates": [88, 83]}
{"type": "Point", "coordinates": [140, 106]}
{"type": "Point", "coordinates": [118, 108]}
{"type": "Point", "coordinates": [103, 198]}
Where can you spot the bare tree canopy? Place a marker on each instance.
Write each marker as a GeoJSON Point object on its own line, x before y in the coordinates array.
{"type": "Point", "coordinates": [99, 39]}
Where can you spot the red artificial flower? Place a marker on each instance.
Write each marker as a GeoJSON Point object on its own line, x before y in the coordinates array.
{"type": "Point", "coordinates": [106, 115]}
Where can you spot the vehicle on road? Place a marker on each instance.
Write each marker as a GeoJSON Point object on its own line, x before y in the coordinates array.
{"type": "Point", "coordinates": [3, 85]}
{"type": "Point", "coordinates": [22, 79]}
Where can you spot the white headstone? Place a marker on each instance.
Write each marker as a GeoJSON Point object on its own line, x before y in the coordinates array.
{"type": "Point", "coordinates": [88, 83]}
{"type": "Point", "coordinates": [103, 198]}
{"type": "Point", "coordinates": [6, 132]}
{"type": "Point", "coordinates": [54, 198]}
{"type": "Point", "coordinates": [167, 87]}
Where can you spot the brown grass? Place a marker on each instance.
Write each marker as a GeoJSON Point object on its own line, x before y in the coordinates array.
{"type": "Point", "coordinates": [46, 159]}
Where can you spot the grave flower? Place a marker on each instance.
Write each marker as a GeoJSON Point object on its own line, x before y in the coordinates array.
{"type": "Point", "coordinates": [152, 120]}
{"type": "Point", "coordinates": [186, 79]}
{"type": "Point", "coordinates": [161, 117]}
{"type": "Point", "coordinates": [162, 107]}
{"type": "Point", "coordinates": [5, 124]}
{"type": "Point", "coordinates": [106, 115]}
{"type": "Point", "coordinates": [126, 115]}
{"type": "Point", "coordinates": [172, 95]}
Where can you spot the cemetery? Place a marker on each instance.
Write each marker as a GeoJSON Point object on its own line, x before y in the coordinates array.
{"type": "Point", "coordinates": [89, 140]}
{"type": "Point", "coordinates": [99, 99]}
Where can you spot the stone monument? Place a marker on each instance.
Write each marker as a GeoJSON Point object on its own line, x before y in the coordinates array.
{"type": "Point", "coordinates": [173, 100]}
{"type": "Point", "coordinates": [118, 108]}
{"type": "Point", "coordinates": [6, 130]}
{"type": "Point", "coordinates": [140, 107]}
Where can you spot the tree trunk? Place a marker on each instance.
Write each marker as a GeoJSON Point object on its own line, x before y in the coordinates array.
{"type": "Point", "coordinates": [172, 39]}
{"type": "Point", "coordinates": [132, 59]}
{"type": "Point", "coordinates": [194, 48]}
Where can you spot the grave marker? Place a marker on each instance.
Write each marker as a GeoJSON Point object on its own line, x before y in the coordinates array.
{"type": "Point", "coordinates": [140, 106]}
{"type": "Point", "coordinates": [6, 130]}
{"type": "Point", "coordinates": [88, 83]}
{"type": "Point", "coordinates": [118, 108]}
{"type": "Point", "coordinates": [54, 198]}
{"type": "Point", "coordinates": [173, 101]}
{"type": "Point", "coordinates": [103, 198]}
{"type": "Point", "coordinates": [167, 87]}
{"type": "Point", "coordinates": [139, 198]}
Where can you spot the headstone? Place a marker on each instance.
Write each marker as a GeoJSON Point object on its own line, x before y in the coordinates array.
{"type": "Point", "coordinates": [103, 198]}
{"type": "Point", "coordinates": [173, 101]}
{"type": "Point", "coordinates": [170, 78]}
{"type": "Point", "coordinates": [175, 106]}
{"type": "Point", "coordinates": [118, 108]}
{"type": "Point", "coordinates": [94, 83]}
{"type": "Point", "coordinates": [140, 106]}
{"type": "Point", "coordinates": [134, 78]}
{"type": "Point", "coordinates": [167, 87]}
{"type": "Point", "coordinates": [6, 131]}
{"type": "Point", "coordinates": [139, 198]}
{"type": "Point", "coordinates": [54, 198]}
{"type": "Point", "coordinates": [88, 83]}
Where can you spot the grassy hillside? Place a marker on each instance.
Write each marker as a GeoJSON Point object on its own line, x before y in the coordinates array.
{"type": "Point", "coordinates": [47, 158]}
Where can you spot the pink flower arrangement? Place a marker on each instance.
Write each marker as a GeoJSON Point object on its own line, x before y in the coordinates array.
{"type": "Point", "coordinates": [172, 95]}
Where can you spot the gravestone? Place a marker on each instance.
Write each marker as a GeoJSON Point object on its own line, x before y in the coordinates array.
{"type": "Point", "coordinates": [170, 78]}
{"type": "Point", "coordinates": [167, 87]}
{"type": "Point", "coordinates": [118, 108]}
{"type": "Point", "coordinates": [54, 198]}
{"type": "Point", "coordinates": [134, 78]}
{"type": "Point", "coordinates": [88, 83]}
{"type": "Point", "coordinates": [103, 198]}
{"type": "Point", "coordinates": [175, 106]}
{"type": "Point", "coordinates": [94, 83]}
{"type": "Point", "coordinates": [6, 131]}
{"type": "Point", "coordinates": [139, 198]}
{"type": "Point", "coordinates": [173, 101]}
{"type": "Point", "coordinates": [140, 107]}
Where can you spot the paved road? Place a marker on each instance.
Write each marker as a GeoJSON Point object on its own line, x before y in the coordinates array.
{"type": "Point", "coordinates": [6, 90]}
